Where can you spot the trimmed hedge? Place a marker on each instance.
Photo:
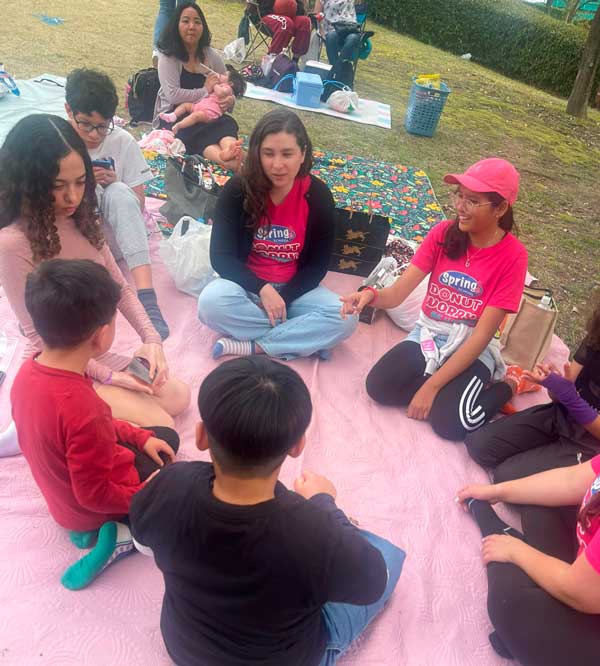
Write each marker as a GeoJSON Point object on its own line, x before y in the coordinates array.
{"type": "Point", "coordinates": [506, 35]}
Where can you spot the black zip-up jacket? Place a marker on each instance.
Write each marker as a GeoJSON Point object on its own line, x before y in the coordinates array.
{"type": "Point", "coordinates": [232, 235]}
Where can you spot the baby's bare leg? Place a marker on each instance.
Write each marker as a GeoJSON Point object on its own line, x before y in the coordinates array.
{"type": "Point", "coordinates": [179, 111]}
{"type": "Point", "coordinates": [193, 119]}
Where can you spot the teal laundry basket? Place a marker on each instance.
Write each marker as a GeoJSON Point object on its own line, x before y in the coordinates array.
{"type": "Point", "coordinates": [425, 106]}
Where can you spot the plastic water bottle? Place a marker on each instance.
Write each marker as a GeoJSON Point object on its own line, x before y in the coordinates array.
{"type": "Point", "coordinates": [546, 302]}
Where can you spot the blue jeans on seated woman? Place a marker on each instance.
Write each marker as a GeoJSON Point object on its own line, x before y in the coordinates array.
{"type": "Point", "coordinates": [346, 622]}
{"type": "Point", "coordinates": [313, 320]}
{"type": "Point", "coordinates": [346, 49]}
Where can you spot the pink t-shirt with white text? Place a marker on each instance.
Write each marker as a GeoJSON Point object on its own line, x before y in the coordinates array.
{"type": "Point", "coordinates": [589, 541]}
{"type": "Point", "coordinates": [276, 247]}
{"type": "Point", "coordinates": [458, 293]}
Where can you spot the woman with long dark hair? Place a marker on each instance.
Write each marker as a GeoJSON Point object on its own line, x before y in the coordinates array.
{"type": "Point", "coordinates": [48, 210]}
{"type": "Point", "coordinates": [271, 244]}
{"type": "Point", "coordinates": [559, 433]}
{"type": "Point", "coordinates": [188, 70]}
{"type": "Point", "coordinates": [477, 269]}
{"type": "Point", "coordinates": [543, 583]}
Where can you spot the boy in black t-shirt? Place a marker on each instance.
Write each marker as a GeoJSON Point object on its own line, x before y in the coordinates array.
{"type": "Point", "coordinates": [255, 573]}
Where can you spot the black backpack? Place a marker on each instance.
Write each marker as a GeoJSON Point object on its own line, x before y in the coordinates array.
{"type": "Point", "coordinates": [142, 90]}
{"type": "Point", "coordinates": [342, 74]}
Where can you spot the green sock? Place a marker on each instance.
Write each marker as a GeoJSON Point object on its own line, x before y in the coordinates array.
{"type": "Point", "coordinates": [83, 539]}
{"type": "Point", "coordinates": [114, 542]}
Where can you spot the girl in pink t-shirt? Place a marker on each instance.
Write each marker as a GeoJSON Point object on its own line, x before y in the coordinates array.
{"type": "Point", "coordinates": [476, 269]}
{"type": "Point", "coordinates": [543, 584]}
{"type": "Point", "coordinates": [48, 210]}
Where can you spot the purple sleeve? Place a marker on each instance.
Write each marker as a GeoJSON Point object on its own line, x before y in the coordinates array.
{"type": "Point", "coordinates": [565, 392]}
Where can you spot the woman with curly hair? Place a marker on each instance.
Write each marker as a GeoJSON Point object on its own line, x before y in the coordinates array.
{"type": "Point", "coordinates": [48, 210]}
{"type": "Point", "coordinates": [271, 243]}
{"type": "Point", "coordinates": [560, 433]}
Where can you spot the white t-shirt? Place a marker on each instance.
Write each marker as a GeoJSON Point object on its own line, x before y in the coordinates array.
{"type": "Point", "coordinates": [130, 166]}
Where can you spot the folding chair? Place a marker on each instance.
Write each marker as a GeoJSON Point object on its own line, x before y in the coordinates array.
{"type": "Point", "coordinates": [255, 33]}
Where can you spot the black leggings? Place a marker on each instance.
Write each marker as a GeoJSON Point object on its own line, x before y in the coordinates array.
{"type": "Point", "coordinates": [534, 440]}
{"type": "Point", "coordinates": [538, 629]}
{"type": "Point", "coordinates": [461, 406]}
{"type": "Point", "coordinates": [143, 463]}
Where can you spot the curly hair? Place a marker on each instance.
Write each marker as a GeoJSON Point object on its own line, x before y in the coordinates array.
{"type": "Point", "coordinates": [29, 165]}
{"type": "Point", "coordinates": [88, 90]}
{"type": "Point", "coordinates": [456, 241]}
{"type": "Point", "coordinates": [170, 42]}
{"type": "Point", "coordinates": [255, 184]}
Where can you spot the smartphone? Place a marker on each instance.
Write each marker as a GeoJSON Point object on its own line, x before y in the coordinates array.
{"type": "Point", "coordinates": [104, 163]}
{"type": "Point", "coordinates": [140, 369]}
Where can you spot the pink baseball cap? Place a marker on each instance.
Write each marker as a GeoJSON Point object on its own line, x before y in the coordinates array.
{"type": "Point", "coordinates": [490, 175]}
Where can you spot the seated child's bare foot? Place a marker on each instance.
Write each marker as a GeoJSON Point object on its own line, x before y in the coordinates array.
{"type": "Point", "coordinates": [231, 152]}
{"type": "Point", "coordinates": [175, 128]}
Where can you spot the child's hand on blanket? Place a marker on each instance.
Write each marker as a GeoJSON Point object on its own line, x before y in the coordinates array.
{"type": "Point", "coordinates": [309, 484]}
{"type": "Point", "coordinates": [487, 492]}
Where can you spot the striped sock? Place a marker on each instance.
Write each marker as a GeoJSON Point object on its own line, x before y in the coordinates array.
{"type": "Point", "coordinates": [231, 347]}
{"type": "Point", "coordinates": [114, 542]}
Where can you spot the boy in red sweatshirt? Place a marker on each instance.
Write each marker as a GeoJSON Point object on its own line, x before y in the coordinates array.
{"type": "Point", "coordinates": [87, 465]}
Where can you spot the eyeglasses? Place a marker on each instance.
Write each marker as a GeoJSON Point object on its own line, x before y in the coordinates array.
{"type": "Point", "coordinates": [467, 204]}
{"type": "Point", "coordinates": [88, 128]}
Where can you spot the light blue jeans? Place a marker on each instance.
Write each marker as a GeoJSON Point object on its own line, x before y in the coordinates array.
{"type": "Point", "coordinates": [346, 622]}
{"type": "Point", "coordinates": [313, 321]}
{"type": "Point", "coordinates": [165, 11]}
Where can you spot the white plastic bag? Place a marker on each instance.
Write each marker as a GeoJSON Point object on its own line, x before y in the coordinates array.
{"type": "Point", "coordinates": [314, 47]}
{"type": "Point", "coordinates": [344, 101]}
{"type": "Point", "coordinates": [235, 51]}
{"type": "Point", "coordinates": [187, 257]}
{"type": "Point", "coordinates": [266, 63]}
{"type": "Point", "coordinates": [406, 315]}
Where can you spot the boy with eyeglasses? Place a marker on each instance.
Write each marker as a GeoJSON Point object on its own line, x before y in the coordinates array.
{"type": "Point", "coordinates": [121, 171]}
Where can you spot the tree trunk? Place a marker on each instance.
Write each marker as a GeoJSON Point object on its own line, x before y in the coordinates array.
{"type": "Point", "coordinates": [578, 100]}
{"type": "Point", "coordinates": [549, 4]}
{"type": "Point", "coordinates": [571, 10]}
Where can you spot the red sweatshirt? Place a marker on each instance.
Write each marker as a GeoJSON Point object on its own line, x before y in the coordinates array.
{"type": "Point", "coordinates": [69, 438]}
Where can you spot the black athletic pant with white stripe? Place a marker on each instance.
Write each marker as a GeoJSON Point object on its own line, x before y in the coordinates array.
{"type": "Point", "coordinates": [463, 405]}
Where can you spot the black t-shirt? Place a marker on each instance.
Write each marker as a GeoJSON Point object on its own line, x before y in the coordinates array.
{"type": "Point", "coordinates": [246, 584]}
{"type": "Point", "coordinates": [588, 381]}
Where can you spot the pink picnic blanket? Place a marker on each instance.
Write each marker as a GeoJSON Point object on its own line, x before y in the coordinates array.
{"type": "Point", "coordinates": [392, 474]}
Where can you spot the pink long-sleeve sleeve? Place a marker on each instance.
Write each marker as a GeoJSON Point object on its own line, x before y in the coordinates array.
{"type": "Point", "coordinates": [16, 262]}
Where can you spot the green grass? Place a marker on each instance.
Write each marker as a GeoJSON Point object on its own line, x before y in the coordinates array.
{"type": "Point", "coordinates": [486, 114]}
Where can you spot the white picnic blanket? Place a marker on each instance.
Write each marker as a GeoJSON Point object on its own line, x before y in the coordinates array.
{"type": "Point", "coordinates": [369, 112]}
{"type": "Point", "coordinates": [43, 94]}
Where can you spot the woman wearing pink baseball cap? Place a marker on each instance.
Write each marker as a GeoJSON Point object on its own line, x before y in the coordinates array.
{"type": "Point", "coordinates": [449, 366]}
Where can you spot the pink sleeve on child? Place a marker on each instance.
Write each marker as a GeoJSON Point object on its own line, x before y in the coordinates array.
{"type": "Point", "coordinates": [596, 464]}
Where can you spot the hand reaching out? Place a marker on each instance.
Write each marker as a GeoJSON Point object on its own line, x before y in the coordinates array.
{"type": "Point", "coordinates": [353, 304]}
